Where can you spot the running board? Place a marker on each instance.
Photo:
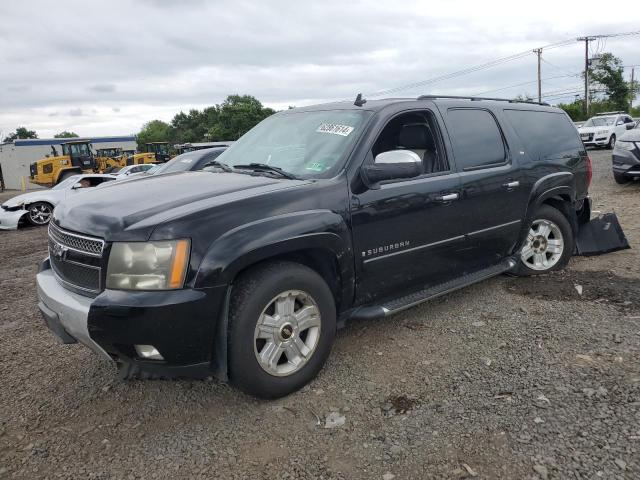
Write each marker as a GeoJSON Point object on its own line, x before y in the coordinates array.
{"type": "Point", "coordinates": [393, 306]}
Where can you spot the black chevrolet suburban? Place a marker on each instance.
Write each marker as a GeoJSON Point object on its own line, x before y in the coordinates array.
{"type": "Point", "coordinates": [315, 217]}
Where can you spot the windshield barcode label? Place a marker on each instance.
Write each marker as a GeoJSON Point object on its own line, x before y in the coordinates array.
{"type": "Point", "coordinates": [343, 130]}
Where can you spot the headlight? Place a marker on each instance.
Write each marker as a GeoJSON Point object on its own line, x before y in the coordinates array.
{"type": "Point", "coordinates": [622, 145]}
{"type": "Point", "coordinates": [602, 132]}
{"type": "Point", "coordinates": [148, 265]}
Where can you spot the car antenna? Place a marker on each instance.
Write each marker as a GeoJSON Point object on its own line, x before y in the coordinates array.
{"type": "Point", "coordinates": [360, 101]}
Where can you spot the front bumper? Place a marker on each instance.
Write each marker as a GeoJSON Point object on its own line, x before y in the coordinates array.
{"type": "Point", "coordinates": [180, 324]}
{"type": "Point", "coordinates": [9, 219]}
{"type": "Point", "coordinates": [597, 142]}
{"type": "Point", "coordinates": [626, 162]}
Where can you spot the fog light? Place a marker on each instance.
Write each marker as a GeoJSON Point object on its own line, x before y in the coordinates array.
{"type": "Point", "coordinates": [149, 352]}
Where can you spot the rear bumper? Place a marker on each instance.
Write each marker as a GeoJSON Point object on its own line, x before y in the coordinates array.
{"type": "Point", "coordinates": [180, 324]}
{"type": "Point", "coordinates": [9, 220]}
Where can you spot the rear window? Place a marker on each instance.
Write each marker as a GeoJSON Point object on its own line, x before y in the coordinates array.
{"type": "Point", "coordinates": [476, 138]}
{"type": "Point", "coordinates": [545, 135]}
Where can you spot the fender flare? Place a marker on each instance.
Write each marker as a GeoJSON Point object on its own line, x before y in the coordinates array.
{"type": "Point", "coordinates": [559, 184]}
{"type": "Point", "coordinates": [274, 236]}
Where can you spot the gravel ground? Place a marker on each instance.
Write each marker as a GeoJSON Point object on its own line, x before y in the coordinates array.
{"type": "Point", "coordinates": [510, 378]}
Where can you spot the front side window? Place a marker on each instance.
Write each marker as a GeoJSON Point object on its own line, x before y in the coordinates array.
{"type": "Point", "coordinates": [545, 135]}
{"type": "Point", "coordinates": [415, 131]}
{"type": "Point", "coordinates": [476, 139]}
{"type": "Point", "coordinates": [311, 144]}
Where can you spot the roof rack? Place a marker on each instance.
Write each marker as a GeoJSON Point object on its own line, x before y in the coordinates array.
{"type": "Point", "coordinates": [476, 99]}
{"type": "Point", "coordinates": [608, 113]}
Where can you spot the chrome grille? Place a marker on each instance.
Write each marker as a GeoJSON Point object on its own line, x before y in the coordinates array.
{"type": "Point", "coordinates": [81, 243]}
{"type": "Point", "coordinates": [76, 260]}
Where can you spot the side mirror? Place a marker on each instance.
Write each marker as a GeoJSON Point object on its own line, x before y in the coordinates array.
{"type": "Point", "coordinates": [391, 165]}
{"type": "Point", "coordinates": [620, 122]}
{"type": "Point", "coordinates": [630, 126]}
{"type": "Point", "coordinates": [77, 186]}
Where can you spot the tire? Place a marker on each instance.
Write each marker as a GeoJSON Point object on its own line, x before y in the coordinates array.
{"type": "Point", "coordinates": [621, 179]}
{"type": "Point", "coordinates": [258, 330]}
{"type": "Point", "coordinates": [536, 256]}
{"type": "Point", "coordinates": [39, 213]}
{"type": "Point", "coordinates": [612, 142]}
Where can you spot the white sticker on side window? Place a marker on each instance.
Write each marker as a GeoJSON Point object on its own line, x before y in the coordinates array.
{"type": "Point", "coordinates": [334, 128]}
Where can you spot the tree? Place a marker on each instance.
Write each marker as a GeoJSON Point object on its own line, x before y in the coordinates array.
{"type": "Point", "coordinates": [66, 134]}
{"type": "Point", "coordinates": [21, 132]}
{"type": "Point", "coordinates": [153, 131]}
{"type": "Point", "coordinates": [236, 116]}
{"type": "Point", "coordinates": [607, 72]}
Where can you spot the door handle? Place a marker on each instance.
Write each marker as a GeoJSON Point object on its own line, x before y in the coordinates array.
{"type": "Point", "coordinates": [511, 184]}
{"type": "Point", "coordinates": [448, 197]}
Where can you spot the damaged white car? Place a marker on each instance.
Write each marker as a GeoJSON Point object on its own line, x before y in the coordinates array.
{"type": "Point", "coordinates": [37, 207]}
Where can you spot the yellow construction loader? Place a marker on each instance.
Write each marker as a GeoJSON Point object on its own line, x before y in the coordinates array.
{"type": "Point", "coordinates": [76, 157]}
{"type": "Point", "coordinates": [160, 150]}
{"type": "Point", "coordinates": [109, 158]}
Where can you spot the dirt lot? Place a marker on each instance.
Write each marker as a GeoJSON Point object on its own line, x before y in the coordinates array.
{"type": "Point", "coordinates": [511, 378]}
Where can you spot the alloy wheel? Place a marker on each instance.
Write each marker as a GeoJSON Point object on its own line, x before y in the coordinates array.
{"type": "Point", "coordinates": [40, 213]}
{"type": "Point", "coordinates": [287, 333]}
{"type": "Point", "coordinates": [543, 247]}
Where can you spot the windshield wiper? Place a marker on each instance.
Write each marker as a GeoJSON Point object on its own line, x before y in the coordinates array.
{"type": "Point", "coordinates": [263, 167]}
{"type": "Point", "coordinates": [220, 165]}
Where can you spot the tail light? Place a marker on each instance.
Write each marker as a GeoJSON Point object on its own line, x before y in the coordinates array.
{"type": "Point", "coordinates": [589, 171]}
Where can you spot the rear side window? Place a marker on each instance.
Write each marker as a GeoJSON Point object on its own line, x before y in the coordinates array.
{"type": "Point", "coordinates": [545, 135]}
{"type": "Point", "coordinates": [476, 139]}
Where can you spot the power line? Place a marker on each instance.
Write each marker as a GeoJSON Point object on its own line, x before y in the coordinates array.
{"type": "Point", "coordinates": [525, 83]}
{"type": "Point", "coordinates": [491, 64]}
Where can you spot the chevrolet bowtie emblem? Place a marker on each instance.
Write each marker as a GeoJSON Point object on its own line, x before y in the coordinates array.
{"type": "Point", "coordinates": [59, 252]}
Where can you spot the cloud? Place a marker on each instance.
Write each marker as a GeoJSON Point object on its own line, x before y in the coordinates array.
{"type": "Point", "coordinates": [193, 54]}
{"type": "Point", "coordinates": [103, 88]}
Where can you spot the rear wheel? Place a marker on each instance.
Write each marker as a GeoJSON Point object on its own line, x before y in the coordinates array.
{"type": "Point", "coordinates": [549, 243]}
{"type": "Point", "coordinates": [39, 213]}
{"type": "Point", "coordinates": [282, 325]}
{"type": "Point", "coordinates": [612, 142]}
{"type": "Point", "coordinates": [621, 179]}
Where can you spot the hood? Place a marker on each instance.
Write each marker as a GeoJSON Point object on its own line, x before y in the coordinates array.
{"type": "Point", "coordinates": [131, 210]}
{"type": "Point", "coordinates": [22, 199]}
{"type": "Point", "coordinates": [631, 135]}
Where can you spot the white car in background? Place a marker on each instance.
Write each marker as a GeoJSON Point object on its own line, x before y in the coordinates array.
{"type": "Point", "coordinates": [37, 206]}
{"type": "Point", "coordinates": [605, 128]}
{"type": "Point", "coordinates": [131, 170]}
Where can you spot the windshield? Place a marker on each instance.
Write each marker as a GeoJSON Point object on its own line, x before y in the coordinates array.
{"type": "Point", "coordinates": [66, 183]}
{"type": "Point", "coordinates": [599, 122]}
{"type": "Point", "coordinates": [181, 163]}
{"type": "Point", "coordinates": [305, 144]}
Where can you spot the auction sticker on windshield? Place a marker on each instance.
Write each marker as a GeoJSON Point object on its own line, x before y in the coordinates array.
{"type": "Point", "coordinates": [334, 128]}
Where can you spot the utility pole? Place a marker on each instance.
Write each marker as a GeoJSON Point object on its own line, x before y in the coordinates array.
{"type": "Point", "coordinates": [586, 41]}
{"type": "Point", "coordinates": [538, 51]}
{"type": "Point", "coordinates": [633, 92]}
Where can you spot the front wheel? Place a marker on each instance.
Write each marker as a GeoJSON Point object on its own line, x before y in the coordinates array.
{"type": "Point", "coordinates": [282, 325]}
{"type": "Point", "coordinates": [612, 142]}
{"type": "Point", "coordinates": [549, 243]}
{"type": "Point", "coordinates": [39, 213]}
